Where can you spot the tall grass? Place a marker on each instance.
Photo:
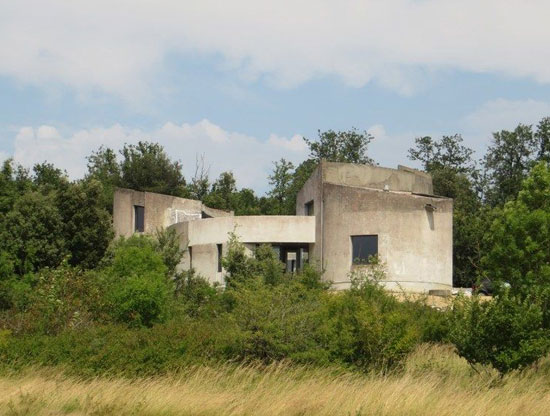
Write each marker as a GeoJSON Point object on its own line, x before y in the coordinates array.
{"type": "Point", "coordinates": [434, 381]}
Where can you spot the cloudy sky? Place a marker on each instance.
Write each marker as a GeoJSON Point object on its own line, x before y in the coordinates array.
{"type": "Point", "coordinates": [242, 81]}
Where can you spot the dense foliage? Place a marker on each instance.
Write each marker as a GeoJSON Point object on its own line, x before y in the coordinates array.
{"type": "Point", "coordinates": [70, 295]}
{"type": "Point", "coordinates": [130, 316]}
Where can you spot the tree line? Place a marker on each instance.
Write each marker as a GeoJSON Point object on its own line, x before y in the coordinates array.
{"type": "Point", "coordinates": [67, 289]}
{"type": "Point", "coordinates": [46, 218]}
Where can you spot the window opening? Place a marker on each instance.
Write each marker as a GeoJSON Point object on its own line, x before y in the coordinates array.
{"type": "Point", "coordinates": [363, 248]}
{"type": "Point", "coordinates": [309, 208]}
{"type": "Point", "coordinates": [219, 257]}
{"type": "Point", "coordinates": [139, 218]}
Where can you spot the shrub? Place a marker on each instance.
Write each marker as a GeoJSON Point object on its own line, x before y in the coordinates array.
{"type": "Point", "coordinates": [507, 333]}
{"type": "Point", "coordinates": [240, 269]}
{"type": "Point", "coordinates": [53, 300]}
{"type": "Point", "coordinates": [278, 322]}
{"type": "Point", "coordinates": [195, 293]}
{"type": "Point", "coordinates": [519, 252]}
{"type": "Point", "coordinates": [139, 290]}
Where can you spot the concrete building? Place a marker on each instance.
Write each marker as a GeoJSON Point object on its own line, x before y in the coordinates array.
{"type": "Point", "coordinates": [345, 214]}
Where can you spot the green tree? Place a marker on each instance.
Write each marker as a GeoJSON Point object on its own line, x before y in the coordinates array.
{"type": "Point", "coordinates": [47, 176]}
{"type": "Point", "coordinates": [239, 267]}
{"type": "Point", "coordinates": [14, 181]}
{"type": "Point", "coordinates": [139, 290]}
{"type": "Point", "coordinates": [507, 333]}
{"type": "Point", "coordinates": [146, 167]}
{"type": "Point", "coordinates": [104, 167]}
{"type": "Point", "coordinates": [87, 229]}
{"type": "Point", "coordinates": [454, 175]}
{"type": "Point", "coordinates": [542, 136]}
{"type": "Point", "coordinates": [519, 247]}
{"type": "Point", "coordinates": [446, 153]}
{"type": "Point", "coordinates": [281, 182]}
{"type": "Point", "coordinates": [222, 193]}
{"type": "Point", "coordinates": [508, 161]}
{"type": "Point", "coordinates": [246, 202]}
{"type": "Point", "coordinates": [341, 146]}
{"type": "Point", "coordinates": [32, 233]}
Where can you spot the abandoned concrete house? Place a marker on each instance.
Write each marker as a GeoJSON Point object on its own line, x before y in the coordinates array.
{"type": "Point", "coordinates": [345, 213]}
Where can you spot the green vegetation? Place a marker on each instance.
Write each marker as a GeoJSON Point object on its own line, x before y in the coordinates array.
{"type": "Point", "coordinates": [71, 296]}
{"type": "Point", "coordinates": [130, 316]}
{"type": "Point", "coordinates": [433, 381]}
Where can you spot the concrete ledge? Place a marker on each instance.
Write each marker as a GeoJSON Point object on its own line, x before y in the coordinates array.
{"type": "Point", "coordinates": [444, 293]}
{"type": "Point", "coordinates": [397, 286]}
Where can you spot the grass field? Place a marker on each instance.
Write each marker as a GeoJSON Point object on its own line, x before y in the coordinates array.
{"type": "Point", "coordinates": [434, 382]}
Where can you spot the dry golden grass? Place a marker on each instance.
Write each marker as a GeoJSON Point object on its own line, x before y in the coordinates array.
{"type": "Point", "coordinates": [434, 382]}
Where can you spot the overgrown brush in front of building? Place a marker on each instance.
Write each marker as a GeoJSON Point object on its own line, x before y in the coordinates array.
{"type": "Point", "coordinates": [135, 315]}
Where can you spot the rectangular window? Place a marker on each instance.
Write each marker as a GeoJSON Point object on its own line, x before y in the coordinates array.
{"type": "Point", "coordinates": [363, 247]}
{"type": "Point", "coordinates": [309, 208]}
{"type": "Point", "coordinates": [219, 257]}
{"type": "Point", "coordinates": [139, 218]}
{"type": "Point", "coordinates": [190, 257]}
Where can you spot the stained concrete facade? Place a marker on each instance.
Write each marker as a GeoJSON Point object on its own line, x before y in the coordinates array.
{"type": "Point", "coordinates": [413, 227]}
{"type": "Point", "coordinates": [161, 211]}
{"type": "Point", "coordinates": [208, 238]}
{"type": "Point", "coordinates": [340, 202]}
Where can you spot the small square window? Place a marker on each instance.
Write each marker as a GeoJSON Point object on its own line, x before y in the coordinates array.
{"type": "Point", "coordinates": [139, 218]}
{"type": "Point", "coordinates": [363, 248]}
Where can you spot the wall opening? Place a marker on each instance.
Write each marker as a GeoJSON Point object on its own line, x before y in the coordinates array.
{"type": "Point", "coordinates": [309, 208]}
{"type": "Point", "coordinates": [293, 255]}
{"type": "Point", "coordinates": [363, 248]}
{"type": "Point", "coordinates": [190, 257]}
{"type": "Point", "coordinates": [219, 246]}
{"type": "Point", "coordinates": [139, 218]}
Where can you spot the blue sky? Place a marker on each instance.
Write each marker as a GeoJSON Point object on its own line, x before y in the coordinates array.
{"type": "Point", "coordinates": [241, 85]}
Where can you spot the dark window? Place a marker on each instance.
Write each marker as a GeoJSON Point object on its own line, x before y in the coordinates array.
{"type": "Point", "coordinates": [363, 247]}
{"type": "Point", "coordinates": [309, 208]}
{"type": "Point", "coordinates": [190, 257]}
{"type": "Point", "coordinates": [139, 214]}
{"type": "Point", "coordinates": [219, 257]}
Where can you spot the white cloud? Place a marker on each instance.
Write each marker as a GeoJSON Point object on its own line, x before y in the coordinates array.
{"type": "Point", "coordinates": [502, 114]}
{"type": "Point", "coordinates": [378, 132]}
{"type": "Point", "coordinates": [248, 157]}
{"type": "Point", "coordinates": [119, 46]}
{"type": "Point", "coordinates": [296, 143]}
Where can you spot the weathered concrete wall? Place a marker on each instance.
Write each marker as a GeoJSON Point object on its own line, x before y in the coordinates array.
{"type": "Point", "coordinates": [214, 213]}
{"type": "Point", "coordinates": [253, 229]}
{"type": "Point", "coordinates": [415, 243]}
{"type": "Point", "coordinates": [312, 191]}
{"type": "Point", "coordinates": [402, 179]}
{"type": "Point", "coordinates": [161, 211]}
{"type": "Point", "coordinates": [204, 235]}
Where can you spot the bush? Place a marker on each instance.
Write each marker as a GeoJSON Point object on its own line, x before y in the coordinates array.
{"type": "Point", "coordinates": [196, 294]}
{"type": "Point", "coordinates": [518, 238]}
{"type": "Point", "coordinates": [278, 322]}
{"type": "Point", "coordinates": [139, 291]}
{"type": "Point", "coordinates": [53, 300]}
{"type": "Point", "coordinates": [507, 332]}
{"type": "Point", "coordinates": [74, 317]}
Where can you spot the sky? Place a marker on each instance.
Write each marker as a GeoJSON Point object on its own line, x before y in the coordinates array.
{"type": "Point", "coordinates": [240, 83]}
